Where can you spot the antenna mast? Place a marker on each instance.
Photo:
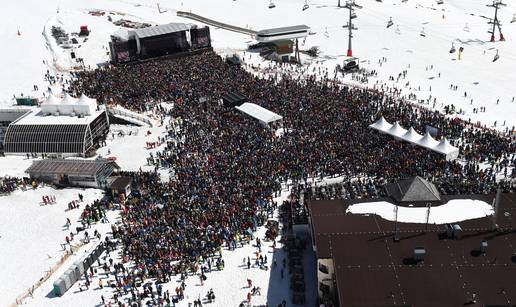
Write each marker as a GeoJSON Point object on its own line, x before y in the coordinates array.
{"type": "Point", "coordinates": [495, 22]}
{"type": "Point", "coordinates": [428, 206]}
{"type": "Point", "coordinates": [396, 230]}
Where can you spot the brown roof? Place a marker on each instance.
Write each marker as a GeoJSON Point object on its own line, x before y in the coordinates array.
{"type": "Point", "coordinates": [120, 183]}
{"type": "Point", "coordinates": [71, 167]}
{"type": "Point", "coordinates": [373, 270]}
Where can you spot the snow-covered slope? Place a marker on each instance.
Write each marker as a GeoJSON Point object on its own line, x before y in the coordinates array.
{"type": "Point", "coordinates": [476, 75]}
{"type": "Point", "coordinates": [31, 234]}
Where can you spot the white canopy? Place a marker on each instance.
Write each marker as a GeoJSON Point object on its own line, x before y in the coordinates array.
{"type": "Point", "coordinates": [411, 136]}
{"type": "Point", "coordinates": [444, 147]}
{"type": "Point", "coordinates": [66, 107]}
{"type": "Point", "coordinates": [49, 106]}
{"type": "Point", "coordinates": [381, 125]}
{"type": "Point", "coordinates": [263, 115]}
{"type": "Point", "coordinates": [396, 130]}
{"type": "Point", "coordinates": [428, 141]}
{"type": "Point", "coordinates": [85, 105]}
{"type": "Point", "coordinates": [69, 105]}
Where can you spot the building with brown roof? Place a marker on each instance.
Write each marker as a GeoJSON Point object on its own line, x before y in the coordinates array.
{"type": "Point", "coordinates": [361, 264]}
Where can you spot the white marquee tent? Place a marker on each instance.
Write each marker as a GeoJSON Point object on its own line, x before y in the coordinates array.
{"type": "Point", "coordinates": [66, 105]}
{"type": "Point", "coordinates": [427, 141]}
{"type": "Point", "coordinates": [444, 147]}
{"type": "Point", "coordinates": [85, 105]}
{"type": "Point", "coordinates": [412, 136]}
{"type": "Point", "coordinates": [381, 125]}
{"type": "Point", "coordinates": [69, 105]}
{"type": "Point", "coordinates": [49, 106]}
{"type": "Point", "coordinates": [397, 131]}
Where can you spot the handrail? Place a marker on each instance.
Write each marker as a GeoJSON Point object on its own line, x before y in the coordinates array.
{"type": "Point", "coordinates": [130, 115]}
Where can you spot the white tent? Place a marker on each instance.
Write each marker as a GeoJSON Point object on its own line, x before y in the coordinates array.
{"type": "Point", "coordinates": [85, 105]}
{"type": "Point", "coordinates": [263, 115]}
{"type": "Point", "coordinates": [428, 141]}
{"type": "Point", "coordinates": [444, 147]}
{"type": "Point", "coordinates": [396, 131]}
{"type": "Point", "coordinates": [49, 106]}
{"type": "Point", "coordinates": [381, 125]}
{"type": "Point", "coordinates": [66, 107]}
{"type": "Point", "coordinates": [411, 136]}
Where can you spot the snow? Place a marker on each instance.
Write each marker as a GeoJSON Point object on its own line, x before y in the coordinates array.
{"type": "Point", "coordinates": [229, 285]}
{"type": "Point", "coordinates": [31, 234]}
{"type": "Point", "coordinates": [30, 231]}
{"type": "Point", "coordinates": [14, 166]}
{"type": "Point", "coordinates": [424, 58]}
{"type": "Point", "coordinates": [131, 150]}
{"type": "Point", "coordinates": [456, 210]}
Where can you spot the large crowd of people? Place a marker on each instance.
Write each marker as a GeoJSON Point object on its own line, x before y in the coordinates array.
{"type": "Point", "coordinates": [227, 167]}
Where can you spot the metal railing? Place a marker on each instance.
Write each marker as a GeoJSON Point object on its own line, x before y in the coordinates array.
{"type": "Point", "coordinates": [141, 118]}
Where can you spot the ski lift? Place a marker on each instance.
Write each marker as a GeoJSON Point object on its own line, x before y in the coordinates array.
{"type": "Point", "coordinates": [496, 57]}
{"type": "Point", "coordinates": [272, 5]}
{"type": "Point", "coordinates": [398, 29]}
{"type": "Point", "coordinates": [390, 23]}
{"type": "Point", "coordinates": [306, 6]}
{"type": "Point", "coordinates": [466, 28]}
{"type": "Point", "coordinates": [452, 50]}
{"type": "Point", "coordinates": [326, 32]}
{"type": "Point", "coordinates": [440, 2]}
{"type": "Point", "coordinates": [423, 34]}
{"type": "Point", "coordinates": [353, 15]}
{"type": "Point", "coordinates": [513, 18]}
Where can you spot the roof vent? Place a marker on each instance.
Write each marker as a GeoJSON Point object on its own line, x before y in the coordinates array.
{"type": "Point", "coordinates": [419, 254]}
{"type": "Point", "coordinates": [483, 246]}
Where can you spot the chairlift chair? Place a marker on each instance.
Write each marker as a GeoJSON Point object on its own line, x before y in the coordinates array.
{"type": "Point", "coordinates": [272, 5]}
{"type": "Point", "coordinates": [306, 6]}
{"type": "Point", "coordinates": [466, 28]}
{"type": "Point", "coordinates": [452, 50]}
{"type": "Point", "coordinates": [423, 34]}
{"type": "Point", "coordinates": [440, 2]}
{"type": "Point", "coordinates": [496, 57]}
{"type": "Point", "coordinates": [326, 32]}
{"type": "Point", "coordinates": [390, 23]}
{"type": "Point", "coordinates": [353, 15]}
{"type": "Point", "coordinates": [398, 31]}
{"type": "Point", "coordinates": [513, 18]}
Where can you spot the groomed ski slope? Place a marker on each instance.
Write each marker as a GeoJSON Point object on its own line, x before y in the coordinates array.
{"type": "Point", "coordinates": [476, 75]}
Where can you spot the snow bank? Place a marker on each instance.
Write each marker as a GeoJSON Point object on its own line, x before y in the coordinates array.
{"type": "Point", "coordinates": [453, 211]}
